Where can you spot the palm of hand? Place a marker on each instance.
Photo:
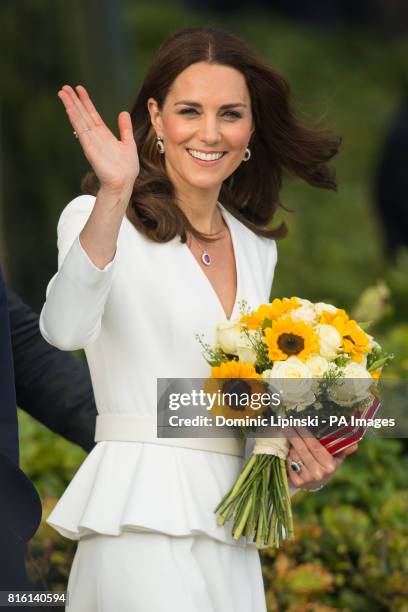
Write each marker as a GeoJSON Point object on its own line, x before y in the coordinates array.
{"type": "Point", "coordinates": [114, 161]}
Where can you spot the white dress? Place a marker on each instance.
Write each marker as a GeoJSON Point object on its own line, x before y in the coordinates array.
{"type": "Point", "coordinates": [143, 513]}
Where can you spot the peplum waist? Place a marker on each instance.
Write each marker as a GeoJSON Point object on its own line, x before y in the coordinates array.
{"type": "Point", "coordinates": [138, 486]}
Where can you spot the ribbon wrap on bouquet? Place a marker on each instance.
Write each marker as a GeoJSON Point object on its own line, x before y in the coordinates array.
{"type": "Point", "coordinates": [279, 447]}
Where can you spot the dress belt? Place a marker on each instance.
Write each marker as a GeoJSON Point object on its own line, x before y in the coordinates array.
{"type": "Point", "coordinates": [137, 428]}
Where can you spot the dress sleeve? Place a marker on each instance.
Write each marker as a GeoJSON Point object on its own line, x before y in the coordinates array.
{"type": "Point", "coordinates": [75, 299]}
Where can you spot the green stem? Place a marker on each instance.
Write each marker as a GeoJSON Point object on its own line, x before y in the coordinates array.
{"type": "Point", "coordinates": [253, 517]}
{"type": "Point", "coordinates": [233, 504]}
{"type": "Point", "coordinates": [236, 492]}
{"type": "Point", "coordinates": [240, 480]}
{"type": "Point", "coordinates": [266, 497]}
{"type": "Point", "coordinates": [245, 472]}
{"type": "Point", "coordinates": [259, 531]}
{"type": "Point", "coordinates": [290, 532]}
{"type": "Point", "coordinates": [271, 537]}
{"type": "Point", "coordinates": [240, 527]}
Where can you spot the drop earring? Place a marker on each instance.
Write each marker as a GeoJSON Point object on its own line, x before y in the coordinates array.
{"type": "Point", "coordinates": [160, 145]}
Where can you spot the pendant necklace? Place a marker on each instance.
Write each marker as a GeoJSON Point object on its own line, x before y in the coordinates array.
{"type": "Point", "coordinates": [205, 256]}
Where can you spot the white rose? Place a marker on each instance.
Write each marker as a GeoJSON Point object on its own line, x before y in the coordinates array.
{"type": "Point", "coordinates": [290, 368]}
{"type": "Point", "coordinates": [329, 341]}
{"type": "Point", "coordinates": [304, 313]}
{"type": "Point", "coordinates": [304, 302]}
{"type": "Point", "coordinates": [320, 307]}
{"type": "Point", "coordinates": [294, 383]}
{"type": "Point", "coordinates": [318, 365]}
{"type": "Point", "coordinates": [245, 349]}
{"type": "Point", "coordinates": [227, 336]}
{"type": "Point", "coordinates": [354, 386]}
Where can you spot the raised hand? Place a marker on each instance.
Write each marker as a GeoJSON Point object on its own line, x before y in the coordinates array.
{"type": "Point", "coordinates": [114, 161]}
{"type": "Point", "coordinates": [318, 465]}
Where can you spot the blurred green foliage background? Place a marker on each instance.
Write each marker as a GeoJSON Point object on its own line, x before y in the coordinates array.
{"type": "Point", "coordinates": [352, 537]}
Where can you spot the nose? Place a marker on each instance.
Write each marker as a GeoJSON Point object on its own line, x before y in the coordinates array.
{"type": "Point", "coordinates": [209, 131]}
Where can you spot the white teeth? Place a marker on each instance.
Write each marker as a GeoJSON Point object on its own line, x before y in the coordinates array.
{"type": "Point", "coordinates": [205, 156]}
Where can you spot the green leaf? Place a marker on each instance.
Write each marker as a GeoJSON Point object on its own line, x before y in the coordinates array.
{"type": "Point", "coordinates": [380, 363]}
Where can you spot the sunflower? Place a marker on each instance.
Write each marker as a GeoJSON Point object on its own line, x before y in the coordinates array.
{"type": "Point", "coordinates": [287, 338]}
{"type": "Point", "coordinates": [273, 311]}
{"type": "Point", "coordinates": [256, 318]}
{"type": "Point", "coordinates": [340, 316]}
{"type": "Point", "coordinates": [238, 379]}
{"type": "Point", "coordinates": [284, 306]}
{"type": "Point", "coordinates": [354, 340]}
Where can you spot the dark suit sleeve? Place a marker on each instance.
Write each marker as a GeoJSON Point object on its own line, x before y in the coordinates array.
{"type": "Point", "coordinates": [54, 387]}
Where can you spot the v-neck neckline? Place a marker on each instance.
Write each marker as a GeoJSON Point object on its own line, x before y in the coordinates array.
{"type": "Point", "coordinates": [227, 220]}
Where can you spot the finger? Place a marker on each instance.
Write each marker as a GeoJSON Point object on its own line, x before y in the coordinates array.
{"type": "Point", "coordinates": [68, 97]}
{"type": "Point", "coordinates": [304, 475]}
{"type": "Point", "coordinates": [76, 102]}
{"type": "Point", "coordinates": [125, 128]}
{"type": "Point", "coordinates": [88, 104]}
{"type": "Point", "coordinates": [317, 450]}
{"type": "Point", "coordinates": [318, 468]}
{"type": "Point", "coordinates": [294, 478]}
{"type": "Point", "coordinates": [303, 453]}
{"type": "Point", "coordinates": [347, 451]}
{"type": "Point", "coordinates": [74, 116]}
{"type": "Point", "coordinates": [350, 450]}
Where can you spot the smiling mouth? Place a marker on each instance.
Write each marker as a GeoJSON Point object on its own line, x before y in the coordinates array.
{"type": "Point", "coordinates": [208, 157]}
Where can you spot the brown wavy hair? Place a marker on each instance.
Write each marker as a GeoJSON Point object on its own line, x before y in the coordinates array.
{"type": "Point", "coordinates": [280, 145]}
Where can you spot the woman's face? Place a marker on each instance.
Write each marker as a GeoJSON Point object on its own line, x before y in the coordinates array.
{"type": "Point", "coordinates": [207, 110]}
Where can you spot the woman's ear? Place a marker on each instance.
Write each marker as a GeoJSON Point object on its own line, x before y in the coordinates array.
{"type": "Point", "coordinates": [155, 116]}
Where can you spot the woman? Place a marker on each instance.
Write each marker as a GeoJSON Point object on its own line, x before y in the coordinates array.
{"type": "Point", "coordinates": [175, 237]}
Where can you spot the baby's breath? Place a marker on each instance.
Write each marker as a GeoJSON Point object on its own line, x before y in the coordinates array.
{"type": "Point", "coordinates": [244, 307]}
{"type": "Point", "coordinates": [262, 362]}
{"type": "Point", "coordinates": [342, 360]}
{"type": "Point", "coordinates": [330, 377]}
{"type": "Point", "coordinates": [213, 356]}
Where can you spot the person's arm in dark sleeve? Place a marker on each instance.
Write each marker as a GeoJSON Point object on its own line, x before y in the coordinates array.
{"type": "Point", "coordinates": [52, 386]}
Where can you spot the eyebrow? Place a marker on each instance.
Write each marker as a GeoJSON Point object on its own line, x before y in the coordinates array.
{"type": "Point", "coordinates": [198, 105]}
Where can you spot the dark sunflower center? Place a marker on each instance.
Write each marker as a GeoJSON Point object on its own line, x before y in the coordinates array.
{"type": "Point", "coordinates": [237, 388]}
{"type": "Point", "coordinates": [291, 344]}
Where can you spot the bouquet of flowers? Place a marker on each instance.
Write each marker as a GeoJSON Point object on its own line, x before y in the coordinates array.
{"type": "Point", "coordinates": [333, 362]}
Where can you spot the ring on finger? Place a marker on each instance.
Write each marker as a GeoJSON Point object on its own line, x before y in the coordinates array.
{"type": "Point", "coordinates": [87, 129]}
{"type": "Point", "coordinates": [296, 466]}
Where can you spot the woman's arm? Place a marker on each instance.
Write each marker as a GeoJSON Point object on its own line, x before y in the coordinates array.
{"type": "Point", "coordinates": [76, 296]}
{"type": "Point", "coordinates": [89, 227]}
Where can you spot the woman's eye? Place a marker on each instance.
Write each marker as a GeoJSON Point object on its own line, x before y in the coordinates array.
{"type": "Point", "coordinates": [233, 114]}
{"type": "Point", "coordinates": [185, 111]}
